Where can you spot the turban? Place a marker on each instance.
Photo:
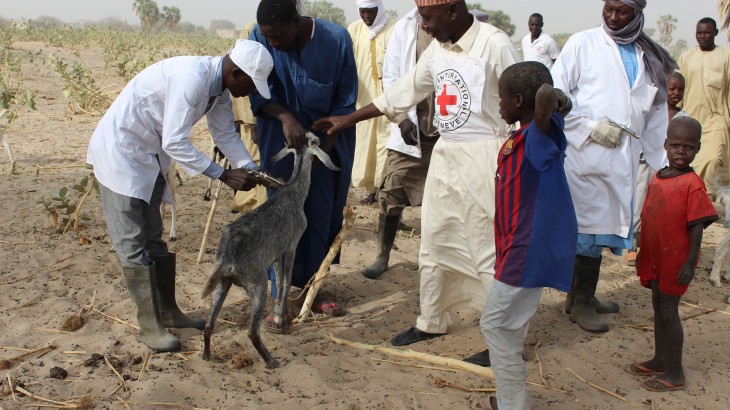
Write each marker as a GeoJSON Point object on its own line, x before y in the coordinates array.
{"type": "Point", "coordinates": [635, 4]}
{"type": "Point", "coordinates": [381, 19]}
{"type": "Point", "coordinates": [426, 3]}
{"type": "Point", "coordinates": [658, 62]}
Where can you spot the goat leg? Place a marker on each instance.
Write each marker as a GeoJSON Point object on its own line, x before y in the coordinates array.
{"type": "Point", "coordinates": [257, 293]}
{"type": "Point", "coordinates": [221, 291]}
{"type": "Point", "coordinates": [720, 255]}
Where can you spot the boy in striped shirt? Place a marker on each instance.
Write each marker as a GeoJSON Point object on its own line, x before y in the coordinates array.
{"type": "Point", "coordinates": [535, 224]}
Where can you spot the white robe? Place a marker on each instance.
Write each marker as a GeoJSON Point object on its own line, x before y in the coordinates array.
{"type": "Point", "coordinates": [591, 72]}
{"type": "Point", "coordinates": [153, 116]}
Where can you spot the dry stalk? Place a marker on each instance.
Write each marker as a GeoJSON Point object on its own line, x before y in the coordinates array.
{"type": "Point", "coordinates": [77, 212]}
{"type": "Point", "coordinates": [17, 359]}
{"type": "Point", "coordinates": [437, 360]}
{"type": "Point", "coordinates": [114, 318]}
{"type": "Point", "coordinates": [52, 330]}
{"type": "Point", "coordinates": [182, 357]}
{"type": "Point", "coordinates": [144, 365]}
{"type": "Point", "coordinates": [10, 385]}
{"type": "Point", "coordinates": [444, 383]}
{"type": "Point", "coordinates": [157, 403]}
{"type": "Point", "coordinates": [75, 352]}
{"type": "Point", "coordinates": [539, 366]}
{"type": "Point", "coordinates": [117, 373]}
{"type": "Point", "coordinates": [61, 404]}
{"type": "Point", "coordinates": [418, 366]}
{"type": "Point", "coordinates": [40, 270]}
{"type": "Point", "coordinates": [124, 403]}
{"type": "Point", "coordinates": [547, 387]}
{"type": "Point", "coordinates": [228, 322]}
{"type": "Point", "coordinates": [20, 349]}
{"type": "Point", "coordinates": [316, 281]}
{"type": "Point", "coordinates": [703, 308]}
{"type": "Point", "coordinates": [119, 386]}
{"type": "Point", "coordinates": [26, 304]}
{"type": "Point", "coordinates": [700, 314]}
{"type": "Point", "coordinates": [599, 388]}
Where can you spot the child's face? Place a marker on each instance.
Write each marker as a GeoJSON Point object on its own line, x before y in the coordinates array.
{"type": "Point", "coordinates": [682, 144]}
{"type": "Point", "coordinates": [675, 90]}
{"type": "Point", "coordinates": [509, 104]}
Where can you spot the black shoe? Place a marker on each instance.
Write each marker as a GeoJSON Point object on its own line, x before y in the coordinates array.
{"type": "Point", "coordinates": [412, 335]}
{"type": "Point", "coordinates": [480, 359]}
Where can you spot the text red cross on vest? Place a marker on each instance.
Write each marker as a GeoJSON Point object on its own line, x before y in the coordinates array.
{"type": "Point", "coordinates": [444, 100]}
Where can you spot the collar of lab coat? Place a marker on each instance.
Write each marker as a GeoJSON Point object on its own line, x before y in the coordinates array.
{"type": "Point", "coordinates": [216, 87]}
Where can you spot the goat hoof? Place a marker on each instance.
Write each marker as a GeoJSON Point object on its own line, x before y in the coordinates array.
{"type": "Point", "coordinates": [716, 282]}
{"type": "Point", "coordinates": [273, 364]}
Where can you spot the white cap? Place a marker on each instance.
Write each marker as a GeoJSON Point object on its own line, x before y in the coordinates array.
{"type": "Point", "coordinates": [254, 60]}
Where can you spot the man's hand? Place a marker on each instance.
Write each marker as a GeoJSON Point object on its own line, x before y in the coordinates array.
{"type": "Point", "coordinates": [564, 103]}
{"type": "Point", "coordinates": [239, 179]}
{"type": "Point", "coordinates": [293, 131]}
{"type": "Point", "coordinates": [254, 134]}
{"type": "Point", "coordinates": [408, 131]}
{"type": "Point", "coordinates": [686, 272]}
{"type": "Point", "coordinates": [606, 134]}
{"type": "Point", "coordinates": [333, 125]}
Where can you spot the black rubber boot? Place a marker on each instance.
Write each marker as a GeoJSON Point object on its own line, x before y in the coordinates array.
{"type": "Point", "coordinates": [598, 306]}
{"type": "Point", "coordinates": [585, 273]}
{"type": "Point", "coordinates": [141, 284]}
{"type": "Point", "coordinates": [388, 226]}
{"type": "Point", "coordinates": [170, 314]}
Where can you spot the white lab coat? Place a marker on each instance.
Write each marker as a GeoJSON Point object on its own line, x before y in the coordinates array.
{"type": "Point", "coordinates": [602, 180]}
{"type": "Point", "coordinates": [400, 57]}
{"type": "Point", "coordinates": [153, 116]}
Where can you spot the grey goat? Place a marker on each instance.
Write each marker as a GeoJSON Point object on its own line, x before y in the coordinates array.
{"type": "Point", "coordinates": [266, 236]}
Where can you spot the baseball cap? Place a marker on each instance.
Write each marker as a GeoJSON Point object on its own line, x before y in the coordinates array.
{"type": "Point", "coordinates": [254, 60]}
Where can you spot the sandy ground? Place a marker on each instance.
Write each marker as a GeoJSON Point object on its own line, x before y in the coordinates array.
{"type": "Point", "coordinates": [47, 277]}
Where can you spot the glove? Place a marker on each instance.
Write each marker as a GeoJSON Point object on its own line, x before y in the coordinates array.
{"type": "Point", "coordinates": [606, 134]}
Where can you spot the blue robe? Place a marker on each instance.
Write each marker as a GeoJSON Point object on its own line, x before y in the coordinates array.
{"type": "Point", "coordinates": [318, 81]}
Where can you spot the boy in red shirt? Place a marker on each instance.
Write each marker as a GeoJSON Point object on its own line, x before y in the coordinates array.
{"type": "Point", "coordinates": [675, 212]}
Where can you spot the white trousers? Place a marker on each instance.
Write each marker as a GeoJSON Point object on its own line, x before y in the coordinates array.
{"type": "Point", "coordinates": [504, 324]}
{"type": "Point", "coordinates": [457, 254]}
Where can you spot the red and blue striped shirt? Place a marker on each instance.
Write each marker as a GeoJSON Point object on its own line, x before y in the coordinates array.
{"type": "Point", "coordinates": [535, 225]}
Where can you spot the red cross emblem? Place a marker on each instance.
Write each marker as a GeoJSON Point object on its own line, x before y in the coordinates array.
{"type": "Point", "coordinates": [444, 100]}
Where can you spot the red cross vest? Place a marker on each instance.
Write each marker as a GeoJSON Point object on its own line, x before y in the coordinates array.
{"type": "Point", "coordinates": [459, 85]}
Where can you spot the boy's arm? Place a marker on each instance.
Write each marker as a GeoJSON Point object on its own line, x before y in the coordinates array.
{"type": "Point", "coordinates": [547, 101]}
{"type": "Point", "coordinates": [687, 271]}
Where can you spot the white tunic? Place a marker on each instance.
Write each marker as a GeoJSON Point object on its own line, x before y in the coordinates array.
{"type": "Point", "coordinates": [543, 50]}
{"type": "Point", "coordinates": [152, 116]}
{"type": "Point", "coordinates": [591, 72]}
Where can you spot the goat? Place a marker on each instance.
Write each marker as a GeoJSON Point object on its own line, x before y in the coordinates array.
{"type": "Point", "coordinates": [266, 236]}
{"type": "Point", "coordinates": [721, 252]}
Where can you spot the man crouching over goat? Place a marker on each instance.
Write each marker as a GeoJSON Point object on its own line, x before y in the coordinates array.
{"type": "Point", "coordinates": [132, 147]}
{"type": "Point", "coordinates": [269, 235]}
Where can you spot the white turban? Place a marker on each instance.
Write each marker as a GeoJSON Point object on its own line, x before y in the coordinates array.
{"type": "Point", "coordinates": [381, 19]}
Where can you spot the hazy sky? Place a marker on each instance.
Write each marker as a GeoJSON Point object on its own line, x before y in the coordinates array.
{"type": "Point", "coordinates": [560, 15]}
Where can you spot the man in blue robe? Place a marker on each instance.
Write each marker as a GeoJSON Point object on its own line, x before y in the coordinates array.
{"type": "Point", "coordinates": [314, 76]}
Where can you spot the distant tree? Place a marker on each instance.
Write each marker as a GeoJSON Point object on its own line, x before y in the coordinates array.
{"type": "Point", "coordinates": [325, 10]}
{"type": "Point", "coordinates": [502, 21]}
{"type": "Point", "coordinates": [724, 7]}
{"type": "Point", "coordinates": [170, 17]}
{"type": "Point", "coordinates": [187, 27]}
{"type": "Point", "coordinates": [561, 38]}
{"type": "Point", "coordinates": [148, 13]}
{"type": "Point", "coordinates": [678, 48]}
{"type": "Point", "coordinates": [47, 22]}
{"type": "Point", "coordinates": [4, 22]}
{"type": "Point", "coordinates": [666, 25]}
{"type": "Point", "coordinates": [216, 25]}
{"type": "Point", "coordinates": [113, 23]}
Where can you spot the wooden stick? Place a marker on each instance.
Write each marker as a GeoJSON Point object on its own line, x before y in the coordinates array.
{"type": "Point", "coordinates": [10, 385]}
{"type": "Point", "coordinates": [77, 212]}
{"type": "Point", "coordinates": [144, 365]}
{"type": "Point", "coordinates": [419, 366]}
{"type": "Point", "coordinates": [348, 221]}
{"type": "Point", "coordinates": [211, 214]}
{"type": "Point", "coordinates": [444, 383]}
{"type": "Point", "coordinates": [599, 388]}
{"type": "Point", "coordinates": [117, 373]}
{"type": "Point", "coordinates": [114, 318]}
{"type": "Point", "coordinates": [411, 354]}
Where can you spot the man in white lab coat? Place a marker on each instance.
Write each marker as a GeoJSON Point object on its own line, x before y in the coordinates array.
{"type": "Point", "coordinates": [146, 127]}
{"type": "Point", "coordinates": [619, 109]}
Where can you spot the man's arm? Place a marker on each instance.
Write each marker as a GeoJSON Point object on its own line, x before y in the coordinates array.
{"type": "Point", "coordinates": [547, 101]}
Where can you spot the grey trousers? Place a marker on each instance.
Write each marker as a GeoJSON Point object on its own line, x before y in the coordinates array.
{"type": "Point", "coordinates": [507, 312]}
{"type": "Point", "coordinates": [135, 227]}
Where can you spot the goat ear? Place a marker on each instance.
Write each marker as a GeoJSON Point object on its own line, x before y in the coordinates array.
{"type": "Point", "coordinates": [281, 154]}
{"type": "Point", "coordinates": [324, 158]}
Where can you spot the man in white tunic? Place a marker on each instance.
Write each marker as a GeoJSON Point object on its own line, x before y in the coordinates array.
{"type": "Point", "coordinates": [627, 87]}
{"type": "Point", "coordinates": [146, 127]}
{"type": "Point", "coordinates": [538, 45]}
{"type": "Point", "coordinates": [370, 35]}
{"type": "Point", "coordinates": [456, 259]}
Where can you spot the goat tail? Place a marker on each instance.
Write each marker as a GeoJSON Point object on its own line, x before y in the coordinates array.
{"type": "Point", "coordinates": [221, 272]}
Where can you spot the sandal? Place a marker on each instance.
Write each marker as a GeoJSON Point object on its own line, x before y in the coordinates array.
{"type": "Point", "coordinates": [327, 307]}
{"type": "Point", "coordinates": [630, 258]}
{"type": "Point", "coordinates": [638, 369]}
{"type": "Point", "coordinates": [662, 385]}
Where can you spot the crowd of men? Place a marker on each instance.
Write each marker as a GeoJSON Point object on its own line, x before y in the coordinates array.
{"type": "Point", "coordinates": [416, 112]}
